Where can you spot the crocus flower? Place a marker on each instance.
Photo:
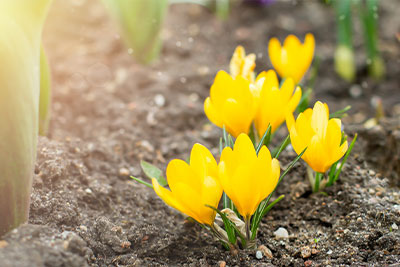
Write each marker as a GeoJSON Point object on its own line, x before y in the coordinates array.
{"type": "Point", "coordinates": [322, 137]}
{"type": "Point", "coordinates": [294, 58]}
{"type": "Point", "coordinates": [274, 103]}
{"type": "Point", "coordinates": [231, 104]}
{"type": "Point", "coordinates": [242, 64]}
{"type": "Point", "coordinates": [193, 186]}
{"type": "Point", "coordinates": [246, 178]}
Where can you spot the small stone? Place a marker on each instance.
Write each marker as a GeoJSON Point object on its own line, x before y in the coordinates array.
{"type": "Point", "coordinates": [3, 243]}
{"type": "Point", "coordinates": [305, 252]}
{"type": "Point", "coordinates": [359, 219]}
{"type": "Point", "coordinates": [123, 172]}
{"type": "Point", "coordinates": [222, 263]}
{"type": "Point", "coordinates": [159, 99]}
{"type": "Point", "coordinates": [88, 190]}
{"type": "Point", "coordinates": [314, 251]}
{"type": "Point", "coordinates": [266, 251]}
{"type": "Point", "coordinates": [203, 70]}
{"type": "Point", "coordinates": [83, 228]}
{"type": "Point", "coordinates": [259, 255]}
{"type": "Point", "coordinates": [394, 226]}
{"type": "Point", "coordinates": [281, 233]}
{"type": "Point", "coordinates": [307, 263]}
{"type": "Point", "coordinates": [356, 91]}
{"type": "Point", "coordinates": [329, 252]}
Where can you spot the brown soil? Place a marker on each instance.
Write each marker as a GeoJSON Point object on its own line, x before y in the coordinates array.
{"type": "Point", "coordinates": [108, 114]}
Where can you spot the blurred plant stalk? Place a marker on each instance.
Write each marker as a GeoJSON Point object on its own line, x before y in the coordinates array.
{"type": "Point", "coordinates": [45, 94]}
{"type": "Point", "coordinates": [140, 22]}
{"type": "Point", "coordinates": [369, 17]}
{"type": "Point", "coordinates": [21, 23]}
{"type": "Point", "coordinates": [344, 55]}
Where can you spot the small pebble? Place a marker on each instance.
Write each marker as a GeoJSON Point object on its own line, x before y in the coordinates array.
{"type": "Point", "coordinates": [307, 263]}
{"type": "Point", "coordinates": [305, 252]}
{"type": "Point", "coordinates": [3, 243]}
{"type": "Point", "coordinates": [394, 226]}
{"type": "Point", "coordinates": [124, 172]}
{"type": "Point", "coordinates": [222, 264]}
{"type": "Point", "coordinates": [329, 252]}
{"type": "Point", "coordinates": [266, 251]}
{"type": "Point", "coordinates": [281, 233]}
{"type": "Point", "coordinates": [83, 228]}
{"type": "Point", "coordinates": [159, 99]}
{"type": "Point", "coordinates": [259, 255]}
{"type": "Point", "coordinates": [359, 219]}
{"type": "Point", "coordinates": [356, 91]}
{"type": "Point", "coordinates": [314, 251]}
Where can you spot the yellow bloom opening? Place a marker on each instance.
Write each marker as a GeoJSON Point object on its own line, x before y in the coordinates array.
{"type": "Point", "coordinates": [274, 103]}
{"type": "Point", "coordinates": [246, 178]}
{"type": "Point", "coordinates": [192, 185]}
{"type": "Point", "coordinates": [322, 137]}
{"type": "Point", "coordinates": [293, 59]}
{"type": "Point", "coordinates": [230, 103]}
{"type": "Point", "coordinates": [242, 64]}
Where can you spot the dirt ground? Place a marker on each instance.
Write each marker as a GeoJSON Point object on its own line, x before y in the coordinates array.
{"type": "Point", "coordinates": [108, 113]}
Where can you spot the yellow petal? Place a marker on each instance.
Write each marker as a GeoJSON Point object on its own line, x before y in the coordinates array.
{"type": "Point", "coordinates": [274, 52]}
{"type": "Point", "coordinates": [167, 196]}
{"type": "Point", "coordinates": [212, 113]}
{"type": "Point", "coordinates": [178, 171]}
{"type": "Point", "coordinates": [202, 162]}
{"type": "Point", "coordinates": [319, 119]}
{"type": "Point", "coordinates": [244, 150]}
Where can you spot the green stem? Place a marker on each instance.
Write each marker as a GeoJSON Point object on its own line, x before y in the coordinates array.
{"type": "Point", "coordinates": [318, 177]}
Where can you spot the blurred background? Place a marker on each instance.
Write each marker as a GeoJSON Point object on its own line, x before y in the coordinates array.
{"type": "Point", "coordinates": [100, 90]}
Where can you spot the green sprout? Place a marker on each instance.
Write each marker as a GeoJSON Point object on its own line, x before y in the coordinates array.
{"type": "Point", "coordinates": [21, 25]}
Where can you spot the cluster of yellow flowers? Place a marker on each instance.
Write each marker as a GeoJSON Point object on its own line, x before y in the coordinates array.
{"type": "Point", "coordinates": [247, 174]}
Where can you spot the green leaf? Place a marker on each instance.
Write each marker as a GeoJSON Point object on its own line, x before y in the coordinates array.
{"type": "Point", "coordinates": [284, 144]}
{"type": "Point", "coordinates": [45, 94]}
{"type": "Point", "coordinates": [153, 172]}
{"type": "Point", "coordinates": [340, 113]}
{"type": "Point", "coordinates": [304, 101]}
{"type": "Point", "coordinates": [142, 182]}
{"type": "Point", "coordinates": [345, 158]}
{"type": "Point", "coordinates": [140, 22]}
{"type": "Point", "coordinates": [230, 227]}
{"type": "Point", "coordinates": [265, 139]}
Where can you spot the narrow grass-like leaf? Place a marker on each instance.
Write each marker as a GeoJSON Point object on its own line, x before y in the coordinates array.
{"type": "Point", "coordinates": [221, 146]}
{"type": "Point", "coordinates": [278, 150]}
{"type": "Point", "coordinates": [265, 139]}
{"type": "Point", "coordinates": [345, 158]}
{"type": "Point", "coordinates": [142, 182]}
{"type": "Point", "coordinates": [340, 113]}
{"type": "Point", "coordinates": [229, 226]}
{"type": "Point", "coordinates": [304, 101]}
{"type": "Point", "coordinates": [152, 171]}
{"type": "Point", "coordinates": [225, 136]}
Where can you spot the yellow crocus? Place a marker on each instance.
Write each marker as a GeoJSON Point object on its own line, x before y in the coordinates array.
{"type": "Point", "coordinates": [246, 178]}
{"type": "Point", "coordinates": [193, 186]}
{"type": "Point", "coordinates": [293, 59]}
{"type": "Point", "coordinates": [322, 137]}
{"type": "Point", "coordinates": [242, 64]}
{"type": "Point", "coordinates": [275, 103]}
{"type": "Point", "coordinates": [231, 104]}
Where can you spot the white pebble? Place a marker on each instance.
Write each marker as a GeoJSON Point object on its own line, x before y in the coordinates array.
{"type": "Point", "coordinates": [394, 226]}
{"type": "Point", "coordinates": [159, 99]}
{"type": "Point", "coordinates": [281, 233]}
{"type": "Point", "coordinates": [259, 255]}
